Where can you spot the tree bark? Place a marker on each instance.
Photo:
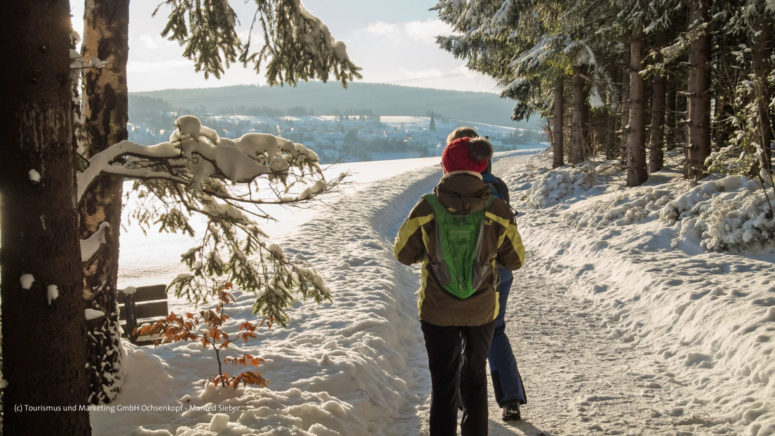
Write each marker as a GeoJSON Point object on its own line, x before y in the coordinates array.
{"type": "Point", "coordinates": [586, 130]}
{"type": "Point", "coordinates": [699, 96]}
{"type": "Point", "coordinates": [762, 50]}
{"type": "Point", "coordinates": [106, 112]}
{"type": "Point", "coordinates": [557, 124]}
{"type": "Point", "coordinates": [625, 105]}
{"type": "Point", "coordinates": [636, 148]}
{"type": "Point", "coordinates": [671, 119]}
{"type": "Point", "coordinates": [43, 325]}
{"type": "Point", "coordinates": [577, 154]}
{"type": "Point", "coordinates": [658, 103]}
{"type": "Point", "coordinates": [612, 120]}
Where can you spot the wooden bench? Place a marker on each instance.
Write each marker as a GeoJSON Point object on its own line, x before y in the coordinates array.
{"type": "Point", "coordinates": [147, 304]}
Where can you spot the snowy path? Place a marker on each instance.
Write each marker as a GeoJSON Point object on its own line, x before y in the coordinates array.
{"type": "Point", "coordinates": [617, 333]}
{"type": "Point", "coordinates": [578, 380]}
{"type": "Point", "coordinates": [614, 333]}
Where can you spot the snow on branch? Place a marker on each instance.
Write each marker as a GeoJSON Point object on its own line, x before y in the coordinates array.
{"type": "Point", "coordinates": [224, 182]}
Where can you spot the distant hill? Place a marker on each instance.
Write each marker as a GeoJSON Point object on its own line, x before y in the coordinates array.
{"type": "Point", "coordinates": [331, 99]}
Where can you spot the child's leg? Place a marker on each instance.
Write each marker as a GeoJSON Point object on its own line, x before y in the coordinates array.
{"type": "Point", "coordinates": [443, 347]}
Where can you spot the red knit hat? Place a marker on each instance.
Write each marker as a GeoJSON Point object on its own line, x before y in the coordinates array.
{"type": "Point", "coordinates": [466, 154]}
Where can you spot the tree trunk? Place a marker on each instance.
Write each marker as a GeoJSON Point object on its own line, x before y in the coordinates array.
{"type": "Point", "coordinates": [106, 111]}
{"type": "Point", "coordinates": [43, 326]}
{"type": "Point", "coordinates": [625, 105]}
{"type": "Point", "coordinates": [611, 146]}
{"type": "Point", "coordinates": [577, 117]}
{"type": "Point", "coordinates": [658, 103]}
{"type": "Point", "coordinates": [657, 131]}
{"type": "Point", "coordinates": [671, 119]}
{"type": "Point", "coordinates": [699, 96]}
{"type": "Point", "coordinates": [557, 123]}
{"type": "Point", "coordinates": [586, 130]}
{"type": "Point", "coordinates": [762, 50]}
{"type": "Point", "coordinates": [636, 148]}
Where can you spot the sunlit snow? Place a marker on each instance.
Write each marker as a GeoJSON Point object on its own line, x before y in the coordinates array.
{"type": "Point", "coordinates": [623, 320]}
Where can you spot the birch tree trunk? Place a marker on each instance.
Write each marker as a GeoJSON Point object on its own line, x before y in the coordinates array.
{"type": "Point", "coordinates": [106, 111]}
{"type": "Point", "coordinates": [43, 327]}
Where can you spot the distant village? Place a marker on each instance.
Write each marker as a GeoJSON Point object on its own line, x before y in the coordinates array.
{"type": "Point", "coordinates": [344, 138]}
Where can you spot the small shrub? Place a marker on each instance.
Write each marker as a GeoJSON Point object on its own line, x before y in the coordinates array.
{"type": "Point", "coordinates": [207, 328]}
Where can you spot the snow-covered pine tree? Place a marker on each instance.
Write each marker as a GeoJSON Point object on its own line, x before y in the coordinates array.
{"type": "Point", "coordinates": [43, 323]}
{"type": "Point", "coordinates": [744, 91]}
{"type": "Point", "coordinates": [512, 42]}
{"type": "Point", "coordinates": [296, 46]}
{"type": "Point", "coordinates": [529, 46]}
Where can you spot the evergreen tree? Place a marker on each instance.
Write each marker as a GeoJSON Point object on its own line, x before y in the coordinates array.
{"type": "Point", "coordinates": [43, 323]}
{"type": "Point", "coordinates": [297, 46]}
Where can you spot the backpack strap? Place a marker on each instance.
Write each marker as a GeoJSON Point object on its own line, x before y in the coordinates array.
{"type": "Point", "coordinates": [435, 203]}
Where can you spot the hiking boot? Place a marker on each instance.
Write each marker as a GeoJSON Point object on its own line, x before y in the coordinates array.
{"type": "Point", "coordinates": [511, 412]}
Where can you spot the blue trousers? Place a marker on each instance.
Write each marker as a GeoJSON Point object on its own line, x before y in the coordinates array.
{"type": "Point", "coordinates": [506, 381]}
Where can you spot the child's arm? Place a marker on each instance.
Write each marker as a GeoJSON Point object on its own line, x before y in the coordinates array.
{"type": "Point", "coordinates": [411, 241]}
{"type": "Point", "coordinates": [511, 252]}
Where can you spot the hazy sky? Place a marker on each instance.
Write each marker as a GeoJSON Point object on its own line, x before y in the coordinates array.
{"type": "Point", "coordinates": [393, 41]}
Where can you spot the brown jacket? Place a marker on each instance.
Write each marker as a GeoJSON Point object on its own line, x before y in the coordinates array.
{"type": "Point", "coordinates": [460, 192]}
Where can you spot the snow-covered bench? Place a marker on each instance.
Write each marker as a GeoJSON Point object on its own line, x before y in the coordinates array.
{"type": "Point", "coordinates": [137, 306]}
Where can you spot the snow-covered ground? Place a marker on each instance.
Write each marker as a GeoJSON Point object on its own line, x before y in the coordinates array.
{"type": "Point", "coordinates": [622, 321]}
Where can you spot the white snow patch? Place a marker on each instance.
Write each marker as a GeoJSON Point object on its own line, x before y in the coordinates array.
{"type": "Point", "coordinates": [219, 423]}
{"type": "Point", "coordinates": [92, 244]}
{"type": "Point", "coordinates": [27, 280]}
{"type": "Point", "coordinates": [52, 293]}
{"type": "Point", "coordinates": [93, 314]}
{"type": "Point", "coordinates": [34, 176]}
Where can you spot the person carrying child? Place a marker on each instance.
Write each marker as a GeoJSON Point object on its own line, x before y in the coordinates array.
{"type": "Point", "coordinates": [461, 234]}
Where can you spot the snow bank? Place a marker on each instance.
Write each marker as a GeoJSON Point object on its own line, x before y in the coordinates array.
{"type": "Point", "coordinates": [354, 366]}
{"type": "Point", "coordinates": [727, 214]}
{"type": "Point", "coordinates": [552, 187]}
{"type": "Point", "coordinates": [650, 260]}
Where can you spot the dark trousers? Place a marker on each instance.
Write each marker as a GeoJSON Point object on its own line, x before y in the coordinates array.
{"type": "Point", "coordinates": [447, 346]}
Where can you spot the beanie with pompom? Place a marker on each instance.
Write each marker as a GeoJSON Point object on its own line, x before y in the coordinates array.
{"type": "Point", "coordinates": [466, 154]}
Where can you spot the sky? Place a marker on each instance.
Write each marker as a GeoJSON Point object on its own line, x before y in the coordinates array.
{"type": "Point", "coordinates": [392, 41]}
